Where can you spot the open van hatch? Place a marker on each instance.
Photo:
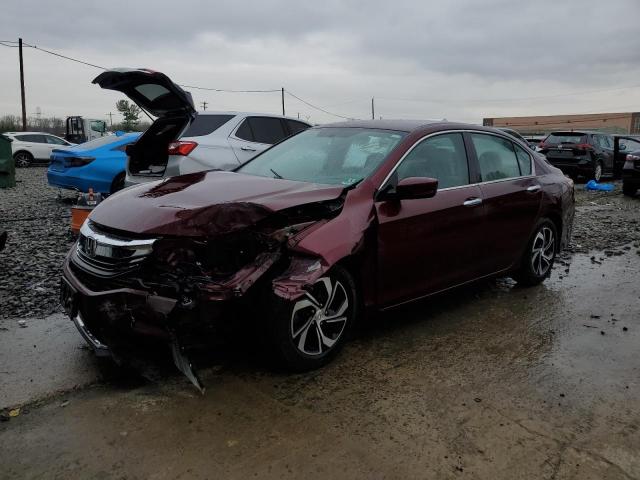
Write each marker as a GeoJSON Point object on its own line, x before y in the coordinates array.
{"type": "Point", "coordinates": [158, 95]}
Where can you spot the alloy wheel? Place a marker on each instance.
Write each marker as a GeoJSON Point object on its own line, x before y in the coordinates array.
{"type": "Point", "coordinates": [22, 160]}
{"type": "Point", "coordinates": [319, 319]}
{"type": "Point", "coordinates": [542, 251]}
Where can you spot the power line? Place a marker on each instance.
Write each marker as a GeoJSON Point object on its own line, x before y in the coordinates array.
{"type": "Point", "coordinates": [227, 91]}
{"type": "Point", "coordinates": [67, 58]}
{"type": "Point", "coordinates": [319, 108]}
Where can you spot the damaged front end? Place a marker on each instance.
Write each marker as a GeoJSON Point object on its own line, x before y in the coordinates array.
{"type": "Point", "coordinates": [126, 291]}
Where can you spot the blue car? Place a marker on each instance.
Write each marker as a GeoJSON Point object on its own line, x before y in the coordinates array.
{"type": "Point", "coordinates": [100, 164]}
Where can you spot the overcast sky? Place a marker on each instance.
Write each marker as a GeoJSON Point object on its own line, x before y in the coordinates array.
{"type": "Point", "coordinates": [460, 60]}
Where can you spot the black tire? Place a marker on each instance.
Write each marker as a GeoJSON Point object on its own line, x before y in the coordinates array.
{"type": "Point", "coordinates": [23, 159]}
{"type": "Point", "coordinates": [629, 190]}
{"type": "Point", "coordinates": [598, 171]}
{"type": "Point", "coordinates": [536, 264]}
{"type": "Point", "coordinates": [291, 322]}
{"type": "Point", "coordinates": [118, 183]}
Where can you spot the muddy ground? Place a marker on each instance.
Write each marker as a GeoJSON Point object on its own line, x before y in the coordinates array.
{"type": "Point", "coordinates": [491, 381]}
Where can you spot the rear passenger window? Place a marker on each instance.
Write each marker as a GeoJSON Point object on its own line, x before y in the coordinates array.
{"type": "Point", "coordinates": [267, 130]}
{"type": "Point", "coordinates": [32, 138]}
{"type": "Point", "coordinates": [295, 127]}
{"type": "Point", "coordinates": [524, 160]}
{"type": "Point", "coordinates": [496, 157]}
{"type": "Point", "coordinates": [206, 124]}
{"type": "Point", "coordinates": [244, 131]}
{"type": "Point", "coordinates": [442, 157]}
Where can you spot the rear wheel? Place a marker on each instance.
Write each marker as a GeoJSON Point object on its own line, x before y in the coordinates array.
{"type": "Point", "coordinates": [23, 159]}
{"type": "Point", "coordinates": [629, 190]}
{"type": "Point", "coordinates": [539, 255]}
{"type": "Point", "coordinates": [308, 332]}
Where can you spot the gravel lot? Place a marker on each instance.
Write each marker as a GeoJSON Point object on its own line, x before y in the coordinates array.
{"type": "Point", "coordinates": [38, 225]}
{"type": "Point", "coordinates": [37, 219]}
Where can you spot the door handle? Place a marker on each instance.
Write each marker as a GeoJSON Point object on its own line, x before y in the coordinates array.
{"type": "Point", "coordinates": [472, 202]}
{"type": "Point", "coordinates": [533, 188]}
{"type": "Point", "coordinates": [248, 149]}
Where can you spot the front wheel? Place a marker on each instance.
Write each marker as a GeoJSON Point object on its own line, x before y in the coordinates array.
{"type": "Point", "coordinates": [308, 332]}
{"type": "Point", "coordinates": [23, 159]}
{"type": "Point", "coordinates": [539, 255]}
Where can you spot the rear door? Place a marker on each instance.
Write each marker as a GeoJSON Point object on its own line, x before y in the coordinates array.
{"type": "Point", "coordinates": [511, 196]}
{"type": "Point", "coordinates": [426, 245]}
{"type": "Point", "coordinates": [54, 142]}
{"type": "Point", "coordinates": [606, 154]}
{"type": "Point", "coordinates": [256, 134]}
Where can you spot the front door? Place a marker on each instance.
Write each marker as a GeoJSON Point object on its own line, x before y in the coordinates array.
{"type": "Point", "coordinates": [427, 245]}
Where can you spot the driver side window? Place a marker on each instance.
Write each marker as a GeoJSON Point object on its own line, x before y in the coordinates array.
{"type": "Point", "coordinates": [442, 157]}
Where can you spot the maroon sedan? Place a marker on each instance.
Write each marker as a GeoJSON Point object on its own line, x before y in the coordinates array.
{"type": "Point", "coordinates": [335, 221]}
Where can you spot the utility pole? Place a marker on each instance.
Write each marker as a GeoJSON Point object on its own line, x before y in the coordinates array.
{"type": "Point", "coordinates": [204, 105]}
{"type": "Point", "coordinates": [110, 115]}
{"type": "Point", "coordinates": [282, 101]}
{"type": "Point", "coordinates": [24, 104]}
{"type": "Point", "coordinates": [373, 110]}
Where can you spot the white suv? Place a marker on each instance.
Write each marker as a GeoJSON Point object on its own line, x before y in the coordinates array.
{"type": "Point", "coordinates": [34, 147]}
{"type": "Point", "coordinates": [182, 141]}
{"type": "Point", "coordinates": [221, 140]}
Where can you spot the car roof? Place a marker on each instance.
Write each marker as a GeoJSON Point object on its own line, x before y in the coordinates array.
{"type": "Point", "coordinates": [250, 114]}
{"type": "Point", "coordinates": [30, 133]}
{"type": "Point", "coordinates": [386, 124]}
{"type": "Point", "coordinates": [578, 132]}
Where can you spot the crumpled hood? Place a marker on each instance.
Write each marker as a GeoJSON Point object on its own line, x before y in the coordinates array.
{"type": "Point", "coordinates": [205, 203]}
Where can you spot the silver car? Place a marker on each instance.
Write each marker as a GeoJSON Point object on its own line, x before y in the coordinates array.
{"type": "Point", "coordinates": [182, 141]}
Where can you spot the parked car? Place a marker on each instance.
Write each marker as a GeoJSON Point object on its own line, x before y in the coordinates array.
{"type": "Point", "coordinates": [580, 153]}
{"type": "Point", "coordinates": [534, 141]}
{"type": "Point", "coordinates": [623, 145]}
{"type": "Point", "coordinates": [627, 154]}
{"type": "Point", "coordinates": [30, 148]}
{"type": "Point", "coordinates": [183, 141]}
{"type": "Point", "coordinates": [99, 164]}
{"type": "Point", "coordinates": [340, 218]}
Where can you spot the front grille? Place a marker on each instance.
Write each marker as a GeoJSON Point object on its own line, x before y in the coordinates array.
{"type": "Point", "coordinates": [109, 256]}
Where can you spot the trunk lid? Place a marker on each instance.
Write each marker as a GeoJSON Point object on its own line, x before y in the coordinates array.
{"type": "Point", "coordinates": [153, 91]}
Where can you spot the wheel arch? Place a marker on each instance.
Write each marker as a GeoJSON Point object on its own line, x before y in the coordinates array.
{"type": "Point", "coordinates": [22, 150]}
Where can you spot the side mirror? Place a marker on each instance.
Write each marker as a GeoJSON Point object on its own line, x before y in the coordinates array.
{"type": "Point", "coordinates": [622, 147]}
{"type": "Point", "coordinates": [412, 188]}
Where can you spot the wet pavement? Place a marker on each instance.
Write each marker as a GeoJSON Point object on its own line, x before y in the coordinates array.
{"type": "Point", "coordinates": [491, 381]}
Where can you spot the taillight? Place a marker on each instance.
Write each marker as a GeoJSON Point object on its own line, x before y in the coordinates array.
{"type": "Point", "coordinates": [583, 146]}
{"type": "Point", "coordinates": [181, 148]}
{"type": "Point", "coordinates": [78, 161]}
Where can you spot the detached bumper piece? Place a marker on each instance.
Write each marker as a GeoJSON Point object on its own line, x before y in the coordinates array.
{"type": "Point", "coordinates": [100, 349]}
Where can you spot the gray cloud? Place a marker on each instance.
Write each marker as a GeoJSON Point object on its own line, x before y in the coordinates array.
{"type": "Point", "coordinates": [333, 52]}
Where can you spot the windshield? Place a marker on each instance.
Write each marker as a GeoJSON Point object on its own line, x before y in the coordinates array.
{"type": "Point", "coordinates": [558, 138]}
{"type": "Point", "coordinates": [334, 156]}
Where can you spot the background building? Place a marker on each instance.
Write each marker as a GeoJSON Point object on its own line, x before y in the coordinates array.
{"type": "Point", "coordinates": [607, 122]}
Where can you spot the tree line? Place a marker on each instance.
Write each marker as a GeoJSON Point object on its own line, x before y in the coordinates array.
{"type": "Point", "coordinates": [56, 125]}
